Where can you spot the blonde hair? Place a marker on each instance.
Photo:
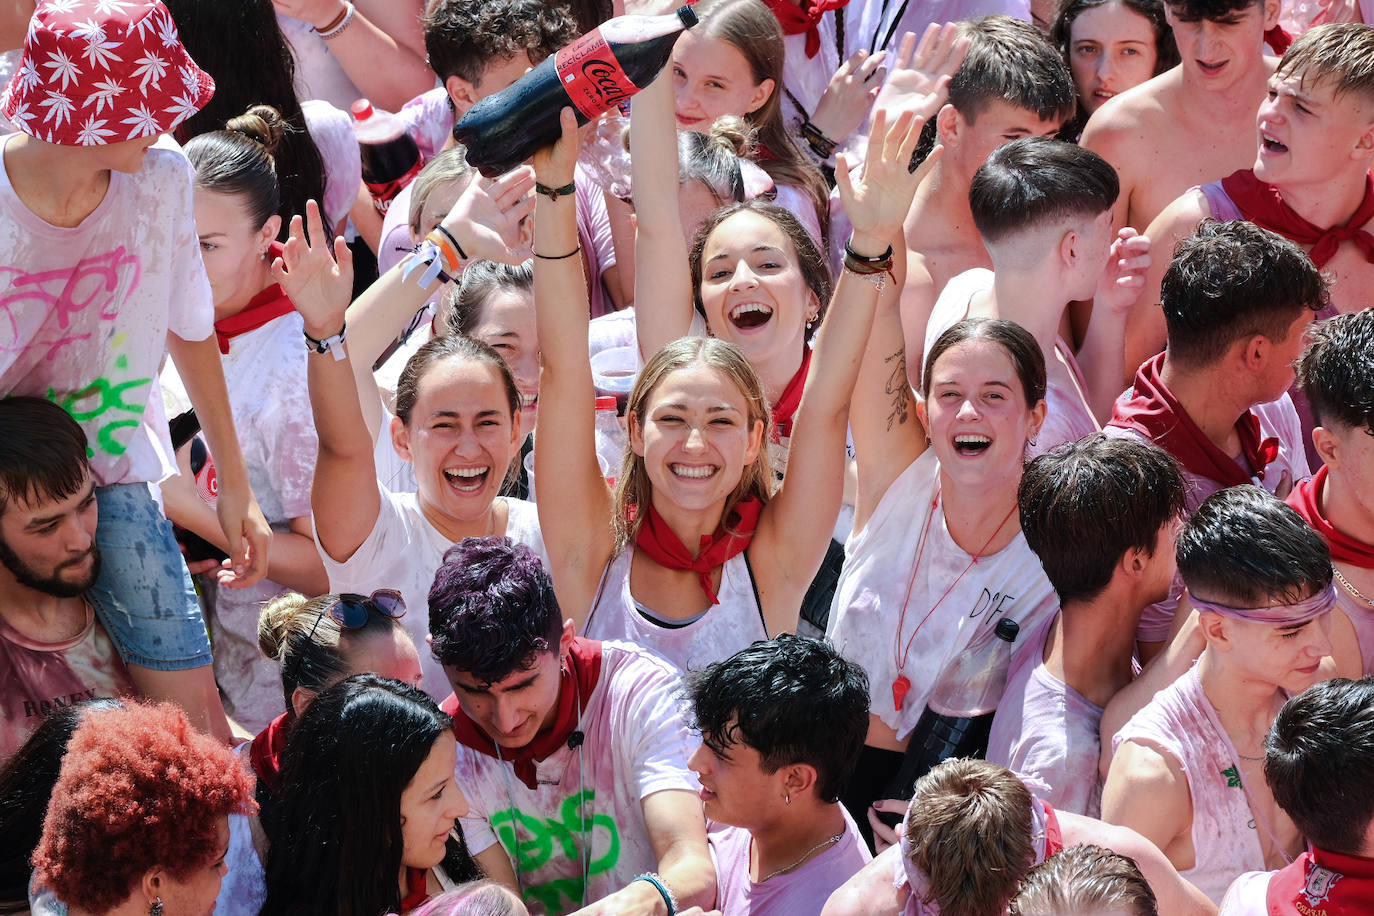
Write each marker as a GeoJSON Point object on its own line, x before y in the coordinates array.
{"type": "Point", "coordinates": [633, 487]}
{"type": "Point", "coordinates": [1085, 879]}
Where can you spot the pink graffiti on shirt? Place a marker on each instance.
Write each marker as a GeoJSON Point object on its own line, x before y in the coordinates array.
{"type": "Point", "coordinates": [64, 304]}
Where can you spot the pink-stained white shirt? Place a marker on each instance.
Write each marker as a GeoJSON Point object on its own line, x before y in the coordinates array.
{"type": "Point", "coordinates": [85, 311]}
{"type": "Point", "coordinates": [587, 810]}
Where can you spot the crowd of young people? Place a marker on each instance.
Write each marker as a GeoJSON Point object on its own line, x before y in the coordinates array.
{"type": "Point", "coordinates": [931, 434]}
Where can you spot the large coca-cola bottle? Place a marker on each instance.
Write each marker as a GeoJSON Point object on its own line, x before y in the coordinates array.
{"type": "Point", "coordinates": [391, 158]}
{"type": "Point", "coordinates": [958, 716]}
{"type": "Point", "coordinates": [598, 70]}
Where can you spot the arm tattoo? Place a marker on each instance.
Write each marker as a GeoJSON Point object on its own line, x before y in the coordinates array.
{"type": "Point", "coordinates": [899, 389]}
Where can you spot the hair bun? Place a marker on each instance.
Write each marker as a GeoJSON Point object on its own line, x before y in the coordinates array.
{"type": "Point", "coordinates": [733, 134]}
{"type": "Point", "coordinates": [274, 623]}
{"type": "Point", "coordinates": [262, 124]}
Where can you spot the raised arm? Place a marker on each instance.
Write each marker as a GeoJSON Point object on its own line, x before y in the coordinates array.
{"type": "Point", "coordinates": [795, 527]}
{"type": "Point", "coordinates": [574, 517]}
{"type": "Point", "coordinates": [1103, 353]}
{"type": "Point", "coordinates": [663, 295]}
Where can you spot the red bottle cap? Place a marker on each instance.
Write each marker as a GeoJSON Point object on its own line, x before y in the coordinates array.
{"type": "Point", "coordinates": [605, 402]}
{"type": "Point", "coordinates": [362, 109]}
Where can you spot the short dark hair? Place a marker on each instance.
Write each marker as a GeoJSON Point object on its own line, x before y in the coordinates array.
{"type": "Point", "coordinates": [43, 452]}
{"type": "Point", "coordinates": [1317, 760]}
{"type": "Point", "coordinates": [1335, 371]}
{"type": "Point", "coordinates": [1193, 10]}
{"type": "Point", "coordinates": [1037, 180]}
{"type": "Point", "coordinates": [1011, 61]}
{"type": "Point", "coordinates": [463, 36]}
{"type": "Point", "coordinates": [793, 699]}
{"type": "Point", "coordinates": [492, 609]}
{"type": "Point", "coordinates": [1086, 503]}
{"type": "Point", "coordinates": [1232, 280]}
{"type": "Point", "coordinates": [1244, 547]}
{"type": "Point", "coordinates": [1017, 341]}
{"type": "Point", "coordinates": [1085, 878]}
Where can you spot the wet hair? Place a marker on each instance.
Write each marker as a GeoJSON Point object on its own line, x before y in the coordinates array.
{"type": "Point", "coordinates": [450, 346]}
{"type": "Point", "coordinates": [1036, 181]}
{"type": "Point", "coordinates": [713, 158]}
{"type": "Point", "coordinates": [1335, 372]}
{"type": "Point", "coordinates": [477, 898]}
{"type": "Point", "coordinates": [338, 813]}
{"type": "Point", "coordinates": [1166, 49]}
{"type": "Point", "coordinates": [1087, 503]}
{"type": "Point", "coordinates": [1193, 10]}
{"type": "Point", "coordinates": [1338, 54]}
{"type": "Point", "coordinates": [465, 303]}
{"type": "Point", "coordinates": [463, 37]}
{"type": "Point", "coordinates": [1244, 547]}
{"type": "Point", "coordinates": [42, 452]}
{"type": "Point", "coordinates": [1013, 62]}
{"type": "Point", "coordinates": [237, 161]}
{"type": "Point", "coordinates": [448, 166]}
{"type": "Point", "coordinates": [633, 487]}
{"type": "Point", "coordinates": [809, 257]}
{"type": "Point", "coordinates": [1317, 760]}
{"type": "Point", "coordinates": [1085, 879]}
{"type": "Point", "coordinates": [139, 789]}
{"type": "Point", "coordinates": [969, 830]}
{"type": "Point", "coordinates": [1230, 281]}
{"type": "Point", "coordinates": [220, 37]}
{"type": "Point", "coordinates": [793, 700]}
{"type": "Point", "coordinates": [1018, 343]}
{"type": "Point", "coordinates": [308, 645]}
{"type": "Point", "coordinates": [750, 27]}
{"type": "Point", "coordinates": [492, 609]}
{"type": "Point", "coordinates": [26, 784]}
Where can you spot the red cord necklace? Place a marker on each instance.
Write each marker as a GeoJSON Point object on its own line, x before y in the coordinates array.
{"type": "Point", "coordinates": [901, 651]}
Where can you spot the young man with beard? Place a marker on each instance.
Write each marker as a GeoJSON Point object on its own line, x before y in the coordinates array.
{"type": "Point", "coordinates": [53, 651]}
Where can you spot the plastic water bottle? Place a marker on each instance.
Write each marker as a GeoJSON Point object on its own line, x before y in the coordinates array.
{"type": "Point", "coordinates": [391, 158]}
{"type": "Point", "coordinates": [610, 438]}
{"type": "Point", "coordinates": [958, 715]}
{"type": "Point", "coordinates": [601, 69]}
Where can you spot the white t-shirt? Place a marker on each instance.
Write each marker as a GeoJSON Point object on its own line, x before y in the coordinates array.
{"type": "Point", "coordinates": [403, 551]}
{"type": "Point", "coordinates": [85, 311]}
{"type": "Point", "coordinates": [636, 744]}
{"type": "Point", "coordinates": [865, 619]}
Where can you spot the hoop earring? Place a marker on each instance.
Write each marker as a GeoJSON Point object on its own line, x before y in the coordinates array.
{"type": "Point", "coordinates": [788, 798]}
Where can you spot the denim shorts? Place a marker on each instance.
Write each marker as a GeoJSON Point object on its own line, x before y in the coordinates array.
{"type": "Point", "coordinates": [144, 595]}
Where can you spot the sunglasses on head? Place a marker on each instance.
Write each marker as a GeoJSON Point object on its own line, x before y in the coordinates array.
{"type": "Point", "coordinates": [350, 611]}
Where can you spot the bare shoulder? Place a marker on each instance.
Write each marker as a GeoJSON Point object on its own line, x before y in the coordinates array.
{"type": "Point", "coordinates": [1122, 123]}
{"type": "Point", "coordinates": [870, 892]}
{"type": "Point", "coordinates": [1175, 894]}
{"type": "Point", "coordinates": [1181, 217]}
{"type": "Point", "coordinates": [1146, 766]}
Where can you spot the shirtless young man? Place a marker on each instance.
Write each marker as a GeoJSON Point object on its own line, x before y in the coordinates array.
{"type": "Point", "coordinates": [1309, 181]}
{"type": "Point", "coordinates": [1193, 123]}
{"type": "Point", "coordinates": [1187, 772]}
{"type": "Point", "coordinates": [1012, 84]}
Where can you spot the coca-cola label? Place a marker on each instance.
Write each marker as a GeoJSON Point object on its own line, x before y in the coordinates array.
{"type": "Point", "coordinates": [383, 192]}
{"type": "Point", "coordinates": [591, 75]}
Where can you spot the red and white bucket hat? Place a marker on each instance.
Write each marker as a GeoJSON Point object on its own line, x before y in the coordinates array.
{"type": "Point", "coordinates": [102, 71]}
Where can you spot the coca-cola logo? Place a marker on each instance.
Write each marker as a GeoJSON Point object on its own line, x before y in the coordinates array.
{"type": "Point", "coordinates": [605, 77]}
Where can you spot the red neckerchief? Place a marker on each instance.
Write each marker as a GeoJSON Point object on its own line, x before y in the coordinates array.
{"type": "Point", "coordinates": [1154, 412]}
{"type": "Point", "coordinates": [796, 19]}
{"type": "Point", "coordinates": [417, 889]}
{"type": "Point", "coordinates": [1322, 882]}
{"type": "Point", "coordinates": [1263, 205]}
{"type": "Point", "coordinates": [578, 681]}
{"type": "Point", "coordinates": [665, 548]}
{"type": "Point", "coordinates": [1306, 498]}
{"type": "Point", "coordinates": [265, 752]}
{"type": "Point", "coordinates": [786, 408]}
{"type": "Point", "coordinates": [268, 305]}
{"type": "Point", "coordinates": [1278, 39]}
{"type": "Point", "coordinates": [1054, 834]}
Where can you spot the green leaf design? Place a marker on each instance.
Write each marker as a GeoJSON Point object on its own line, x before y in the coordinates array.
{"type": "Point", "coordinates": [1232, 774]}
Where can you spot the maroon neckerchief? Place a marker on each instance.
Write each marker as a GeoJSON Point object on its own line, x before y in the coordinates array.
{"type": "Point", "coordinates": [1322, 882]}
{"type": "Point", "coordinates": [786, 408]}
{"type": "Point", "coordinates": [665, 548]}
{"type": "Point", "coordinates": [1054, 834]}
{"type": "Point", "coordinates": [266, 306]}
{"type": "Point", "coordinates": [579, 679]}
{"type": "Point", "coordinates": [796, 19]}
{"type": "Point", "coordinates": [1306, 499]}
{"type": "Point", "coordinates": [1262, 204]}
{"type": "Point", "coordinates": [1154, 412]}
{"type": "Point", "coordinates": [417, 889]}
{"type": "Point", "coordinates": [264, 754]}
{"type": "Point", "coordinates": [1278, 39]}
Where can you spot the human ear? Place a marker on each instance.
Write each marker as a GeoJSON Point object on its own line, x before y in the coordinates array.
{"type": "Point", "coordinates": [400, 438]}
{"type": "Point", "coordinates": [301, 699]}
{"type": "Point", "coordinates": [1328, 446]}
{"type": "Point", "coordinates": [762, 93]}
{"type": "Point", "coordinates": [1271, 11]}
{"type": "Point", "coordinates": [268, 233]}
{"type": "Point", "coordinates": [949, 123]}
{"type": "Point", "coordinates": [462, 93]}
{"type": "Point", "coordinates": [635, 431]}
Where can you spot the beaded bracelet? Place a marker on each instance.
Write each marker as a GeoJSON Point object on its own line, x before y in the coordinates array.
{"type": "Point", "coordinates": [663, 889]}
{"type": "Point", "coordinates": [336, 28]}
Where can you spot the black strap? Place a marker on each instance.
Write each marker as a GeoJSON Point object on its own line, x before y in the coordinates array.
{"type": "Point", "coordinates": [754, 586]}
{"type": "Point", "coordinates": [892, 27]}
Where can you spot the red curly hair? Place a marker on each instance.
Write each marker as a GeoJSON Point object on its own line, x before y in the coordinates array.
{"type": "Point", "coordinates": [139, 789]}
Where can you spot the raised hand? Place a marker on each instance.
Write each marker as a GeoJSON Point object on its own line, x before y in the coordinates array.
{"type": "Point", "coordinates": [878, 203]}
{"type": "Point", "coordinates": [1123, 277]}
{"type": "Point", "coordinates": [486, 219]}
{"type": "Point", "coordinates": [554, 164]}
{"type": "Point", "coordinates": [846, 101]}
{"type": "Point", "coordinates": [318, 283]}
{"type": "Point", "coordinates": [920, 75]}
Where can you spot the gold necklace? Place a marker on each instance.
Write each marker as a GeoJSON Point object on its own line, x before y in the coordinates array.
{"type": "Point", "coordinates": [1345, 584]}
{"type": "Point", "coordinates": [806, 855]}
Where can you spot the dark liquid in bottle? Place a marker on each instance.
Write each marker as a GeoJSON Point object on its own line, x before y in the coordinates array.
{"type": "Point", "coordinates": [936, 737]}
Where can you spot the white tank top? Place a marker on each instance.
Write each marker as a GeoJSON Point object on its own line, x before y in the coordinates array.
{"type": "Point", "coordinates": [722, 631]}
